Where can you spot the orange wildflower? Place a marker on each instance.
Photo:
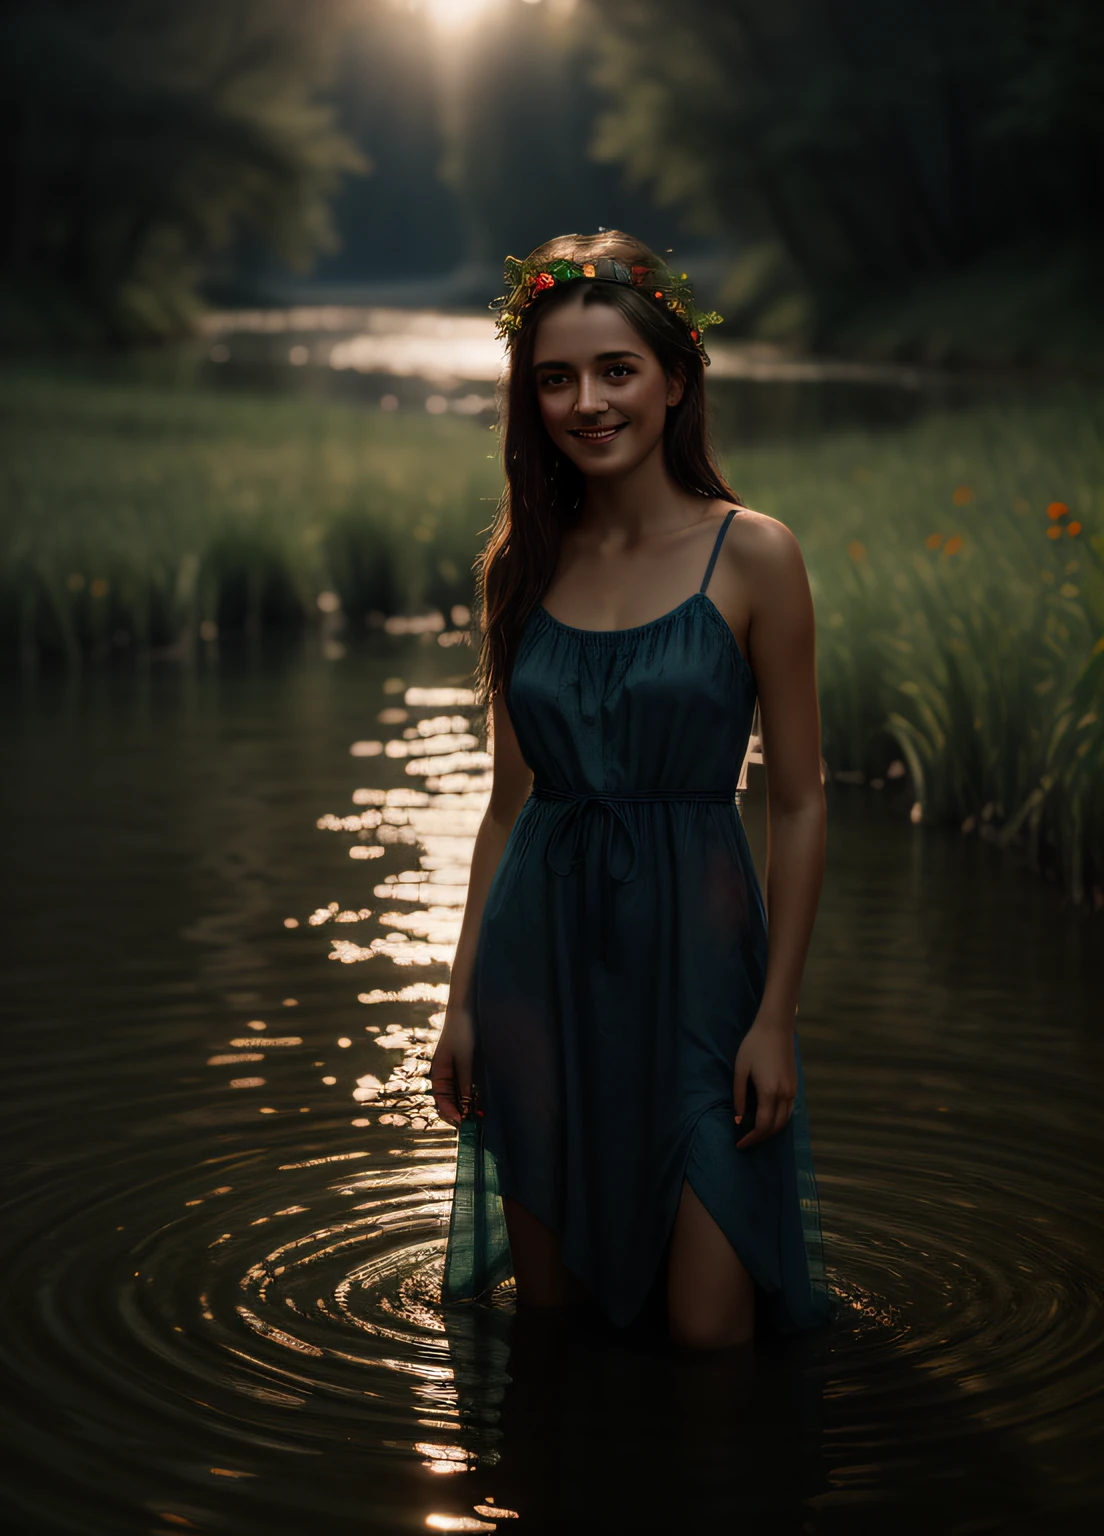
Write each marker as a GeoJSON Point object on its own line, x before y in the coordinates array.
{"type": "Point", "coordinates": [1054, 533]}
{"type": "Point", "coordinates": [963, 495]}
{"type": "Point", "coordinates": [934, 540]}
{"type": "Point", "coordinates": [1056, 510]}
{"type": "Point", "coordinates": [953, 545]}
{"type": "Point", "coordinates": [1073, 529]}
{"type": "Point", "coordinates": [857, 550]}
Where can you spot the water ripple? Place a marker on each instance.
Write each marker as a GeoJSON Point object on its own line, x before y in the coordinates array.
{"type": "Point", "coordinates": [224, 1237]}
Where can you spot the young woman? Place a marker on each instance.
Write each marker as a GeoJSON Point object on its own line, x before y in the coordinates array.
{"type": "Point", "coordinates": [618, 1047]}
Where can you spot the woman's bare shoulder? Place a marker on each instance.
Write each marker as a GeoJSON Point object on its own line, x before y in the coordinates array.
{"type": "Point", "coordinates": [761, 546]}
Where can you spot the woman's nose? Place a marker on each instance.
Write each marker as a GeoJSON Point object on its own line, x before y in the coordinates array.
{"type": "Point", "coordinates": [591, 400]}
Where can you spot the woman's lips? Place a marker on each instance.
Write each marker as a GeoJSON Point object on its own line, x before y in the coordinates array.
{"type": "Point", "coordinates": [597, 434]}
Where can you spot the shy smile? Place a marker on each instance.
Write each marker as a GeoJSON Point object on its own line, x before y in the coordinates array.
{"type": "Point", "coordinates": [597, 434]}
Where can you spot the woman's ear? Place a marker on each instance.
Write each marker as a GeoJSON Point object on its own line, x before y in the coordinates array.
{"type": "Point", "coordinates": [676, 384]}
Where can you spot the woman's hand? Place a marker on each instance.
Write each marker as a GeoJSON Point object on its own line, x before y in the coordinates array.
{"type": "Point", "coordinates": [766, 1055]}
{"type": "Point", "coordinates": [450, 1071]}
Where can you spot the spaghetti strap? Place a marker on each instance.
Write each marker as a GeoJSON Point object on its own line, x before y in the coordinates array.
{"type": "Point", "coordinates": [634, 738]}
{"type": "Point", "coordinates": [716, 549]}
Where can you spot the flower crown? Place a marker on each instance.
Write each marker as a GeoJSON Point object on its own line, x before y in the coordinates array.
{"type": "Point", "coordinates": [527, 280]}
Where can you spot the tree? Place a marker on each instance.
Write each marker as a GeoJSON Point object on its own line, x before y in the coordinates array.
{"type": "Point", "coordinates": [144, 136]}
{"type": "Point", "coordinates": [862, 151]}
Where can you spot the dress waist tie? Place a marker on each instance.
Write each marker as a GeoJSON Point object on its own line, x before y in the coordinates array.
{"type": "Point", "coordinates": [572, 829]}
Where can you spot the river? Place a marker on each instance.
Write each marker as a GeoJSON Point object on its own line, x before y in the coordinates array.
{"type": "Point", "coordinates": [233, 888]}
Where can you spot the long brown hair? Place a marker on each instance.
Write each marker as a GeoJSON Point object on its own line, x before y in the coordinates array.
{"type": "Point", "coordinates": [544, 490]}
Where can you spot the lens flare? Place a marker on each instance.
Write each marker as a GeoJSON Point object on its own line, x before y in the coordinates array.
{"type": "Point", "coordinates": [457, 15]}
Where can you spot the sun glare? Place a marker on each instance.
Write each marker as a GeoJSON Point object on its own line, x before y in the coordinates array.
{"type": "Point", "coordinates": [456, 15]}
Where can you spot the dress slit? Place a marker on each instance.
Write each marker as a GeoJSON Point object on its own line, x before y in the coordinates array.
{"type": "Point", "coordinates": [621, 961]}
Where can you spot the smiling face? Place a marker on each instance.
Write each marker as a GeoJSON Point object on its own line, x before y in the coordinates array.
{"type": "Point", "coordinates": [602, 392]}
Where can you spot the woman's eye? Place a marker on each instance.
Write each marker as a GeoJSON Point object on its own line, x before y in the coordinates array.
{"type": "Point", "coordinates": [553, 378]}
{"type": "Point", "coordinates": [619, 370]}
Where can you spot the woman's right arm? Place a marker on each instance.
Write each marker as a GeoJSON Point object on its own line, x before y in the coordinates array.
{"type": "Point", "coordinates": [451, 1068]}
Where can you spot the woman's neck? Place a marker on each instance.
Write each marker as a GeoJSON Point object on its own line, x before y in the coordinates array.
{"type": "Point", "coordinates": [645, 500]}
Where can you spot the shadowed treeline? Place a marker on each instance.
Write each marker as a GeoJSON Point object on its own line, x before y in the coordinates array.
{"type": "Point", "coordinates": [156, 154]}
{"type": "Point", "coordinates": [900, 176]}
{"type": "Point", "coordinates": [144, 137]}
{"type": "Point", "coordinates": [895, 177]}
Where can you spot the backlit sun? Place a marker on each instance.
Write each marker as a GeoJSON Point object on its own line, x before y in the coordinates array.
{"type": "Point", "coordinates": [455, 15]}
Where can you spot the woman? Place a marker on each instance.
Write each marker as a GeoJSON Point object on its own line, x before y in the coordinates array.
{"type": "Point", "coordinates": [618, 1047]}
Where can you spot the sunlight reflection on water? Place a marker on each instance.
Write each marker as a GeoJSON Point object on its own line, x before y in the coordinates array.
{"type": "Point", "coordinates": [444, 348]}
{"type": "Point", "coordinates": [248, 1277]}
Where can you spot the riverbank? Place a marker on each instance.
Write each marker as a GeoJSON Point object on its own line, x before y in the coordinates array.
{"type": "Point", "coordinates": [224, 1233]}
{"type": "Point", "coordinates": [956, 561]}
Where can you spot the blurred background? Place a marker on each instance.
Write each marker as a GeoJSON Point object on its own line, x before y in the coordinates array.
{"type": "Point", "coordinates": [248, 369]}
{"type": "Point", "coordinates": [247, 462]}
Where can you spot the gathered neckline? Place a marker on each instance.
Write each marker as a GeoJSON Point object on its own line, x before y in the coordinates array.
{"type": "Point", "coordinates": [608, 636]}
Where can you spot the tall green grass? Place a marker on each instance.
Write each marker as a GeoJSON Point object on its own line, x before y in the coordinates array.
{"type": "Point", "coordinates": [957, 572]}
{"type": "Point", "coordinates": [159, 512]}
{"type": "Point", "coordinates": [960, 626]}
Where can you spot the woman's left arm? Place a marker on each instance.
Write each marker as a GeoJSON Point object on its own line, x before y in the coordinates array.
{"type": "Point", "coordinates": [782, 653]}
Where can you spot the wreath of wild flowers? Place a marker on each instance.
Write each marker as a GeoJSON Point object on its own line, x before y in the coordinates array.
{"type": "Point", "coordinates": [526, 280]}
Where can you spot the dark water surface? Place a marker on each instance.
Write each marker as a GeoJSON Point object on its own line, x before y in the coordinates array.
{"type": "Point", "coordinates": [226, 1198]}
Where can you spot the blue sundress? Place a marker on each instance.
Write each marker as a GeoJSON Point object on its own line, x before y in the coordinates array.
{"type": "Point", "coordinates": [621, 959]}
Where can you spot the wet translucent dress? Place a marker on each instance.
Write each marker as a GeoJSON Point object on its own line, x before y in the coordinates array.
{"type": "Point", "coordinates": [621, 960]}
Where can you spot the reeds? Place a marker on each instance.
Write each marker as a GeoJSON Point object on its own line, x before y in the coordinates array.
{"type": "Point", "coordinates": [155, 515]}
{"type": "Point", "coordinates": [957, 572]}
{"type": "Point", "coordinates": [956, 564]}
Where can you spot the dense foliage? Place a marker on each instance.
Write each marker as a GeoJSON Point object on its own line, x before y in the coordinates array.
{"type": "Point", "coordinates": [920, 176]}
{"type": "Point", "coordinates": [143, 137]}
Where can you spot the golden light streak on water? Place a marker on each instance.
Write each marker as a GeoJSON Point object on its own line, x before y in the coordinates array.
{"type": "Point", "coordinates": [456, 1523]}
{"type": "Point", "coordinates": [268, 1041]}
{"type": "Point", "coordinates": [288, 1264]}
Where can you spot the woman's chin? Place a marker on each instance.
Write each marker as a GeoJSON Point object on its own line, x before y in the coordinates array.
{"type": "Point", "coordinates": [596, 469]}
{"type": "Point", "coordinates": [615, 458]}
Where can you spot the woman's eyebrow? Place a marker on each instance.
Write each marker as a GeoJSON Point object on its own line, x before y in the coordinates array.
{"type": "Point", "coordinates": [600, 357]}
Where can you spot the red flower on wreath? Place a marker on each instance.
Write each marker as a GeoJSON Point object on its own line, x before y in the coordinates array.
{"type": "Point", "coordinates": [544, 280]}
{"type": "Point", "coordinates": [639, 274]}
